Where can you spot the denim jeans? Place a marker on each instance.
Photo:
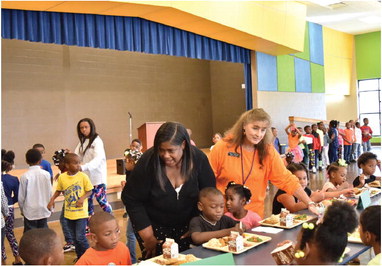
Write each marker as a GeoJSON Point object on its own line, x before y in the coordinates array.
{"type": "Point", "coordinates": [347, 152]}
{"type": "Point", "coordinates": [69, 238]}
{"type": "Point", "coordinates": [131, 241]}
{"type": "Point", "coordinates": [31, 224]}
{"type": "Point", "coordinates": [77, 228]}
{"type": "Point", "coordinates": [366, 146]}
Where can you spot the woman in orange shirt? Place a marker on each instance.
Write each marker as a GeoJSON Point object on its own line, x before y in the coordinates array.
{"type": "Point", "coordinates": [246, 156]}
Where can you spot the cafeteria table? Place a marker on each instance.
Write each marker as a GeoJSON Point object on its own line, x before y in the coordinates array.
{"type": "Point", "coordinates": [261, 254]}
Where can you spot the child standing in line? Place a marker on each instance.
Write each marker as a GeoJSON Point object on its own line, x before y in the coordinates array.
{"type": "Point", "coordinates": [333, 141]}
{"type": "Point", "coordinates": [58, 159]}
{"type": "Point", "coordinates": [211, 223]}
{"type": "Point", "coordinates": [237, 196]}
{"type": "Point", "coordinates": [370, 231]}
{"type": "Point", "coordinates": [4, 215]}
{"type": "Point", "coordinates": [316, 145]}
{"type": "Point", "coordinates": [368, 162]}
{"type": "Point", "coordinates": [294, 135]}
{"type": "Point", "coordinates": [348, 142]}
{"type": "Point", "coordinates": [309, 138]}
{"type": "Point", "coordinates": [45, 165]}
{"type": "Point", "coordinates": [341, 135]}
{"type": "Point", "coordinates": [34, 193]}
{"type": "Point", "coordinates": [358, 141]}
{"type": "Point", "coordinates": [107, 249]}
{"type": "Point", "coordinates": [76, 187]}
{"type": "Point", "coordinates": [324, 243]}
{"type": "Point", "coordinates": [11, 190]}
{"type": "Point", "coordinates": [41, 247]}
{"type": "Point", "coordinates": [366, 135]}
{"type": "Point", "coordinates": [337, 179]}
{"type": "Point", "coordinates": [132, 155]}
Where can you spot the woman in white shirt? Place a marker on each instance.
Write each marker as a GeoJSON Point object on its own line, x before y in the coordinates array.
{"type": "Point", "coordinates": [92, 153]}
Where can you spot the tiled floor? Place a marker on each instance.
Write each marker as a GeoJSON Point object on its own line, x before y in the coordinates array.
{"type": "Point", "coordinates": [316, 182]}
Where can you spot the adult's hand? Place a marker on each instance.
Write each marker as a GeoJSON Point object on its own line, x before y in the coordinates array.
{"type": "Point", "coordinates": [313, 209]}
{"type": "Point", "coordinates": [150, 246]}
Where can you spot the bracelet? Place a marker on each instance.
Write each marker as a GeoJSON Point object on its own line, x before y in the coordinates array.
{"type": "Point", "coordinates": [311, 203]}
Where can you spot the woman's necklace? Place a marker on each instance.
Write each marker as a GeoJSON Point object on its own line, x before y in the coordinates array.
{"type": "Point", "coordinates": [243, 180]}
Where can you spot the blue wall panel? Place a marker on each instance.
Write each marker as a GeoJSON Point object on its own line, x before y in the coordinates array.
{"type": "Point", "coordinates": [303, 78]}
{"type": "Point", "coordinates": [266, 72]}
{"type": "Point", "coordinates": [316, 43]}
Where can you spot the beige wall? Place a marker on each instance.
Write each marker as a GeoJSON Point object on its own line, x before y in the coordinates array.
{"type": "Point", "coordinates": [47, 88]}
{"type": "Point", "coordinates": [228, 98]}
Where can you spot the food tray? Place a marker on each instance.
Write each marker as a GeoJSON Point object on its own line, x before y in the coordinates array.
{"type": "Point", "coordinates": [180, 260]}
{"type": "Point", "coordinates": [355, 237]}
{"type": "Point", "coordinates": [247, 244]}
{"type": "Point", "coordinates": [296, 222]}
{"type": "Point", "coordinates": [373, 192]}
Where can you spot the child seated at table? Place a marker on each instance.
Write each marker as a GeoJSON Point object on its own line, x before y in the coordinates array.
{"type": "Point", "coordinates": [370, 231]}
{"type": "Point", "coordinates": [290, 202]}
{"type": "Point", "coordinates": [211, 223]}
{"type": "Point", "coordinates": [237, 196]}
{"type": "Point", "coordinates": [367, 162]}
{"type": "Point", "coordinates": [41, 246]}
{"type": "Point", "coordinates": [337, 179]}
{"type": "Point", "coordinates": [106, 248]}
{"type": "Point", "coordinates": [325, 242]}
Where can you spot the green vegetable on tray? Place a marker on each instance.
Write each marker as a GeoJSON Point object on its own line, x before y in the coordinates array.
{"type": "Point", "coordinates": [254, 239]}
{"type": "Point", "coordinates": [301, 217]}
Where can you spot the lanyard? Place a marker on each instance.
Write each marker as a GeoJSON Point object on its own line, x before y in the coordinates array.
{"type": "Point", "coordinates": [244, 180]}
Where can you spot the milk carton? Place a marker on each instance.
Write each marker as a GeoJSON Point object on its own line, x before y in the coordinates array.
{"type": "Point", "coordinates": [170, 249]}
{"type": "Point", "coordinates": [236, 242]}
{"type": "Point", "coordinates": [283, 214]}
{"type": "Point", "coordinates": [283, 255]}
{"type": "Point", "coordinates": [289, 220]}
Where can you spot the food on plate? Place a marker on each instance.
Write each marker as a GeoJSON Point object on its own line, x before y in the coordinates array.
{"type": "Point", "coordinates": [216, 243]}
{"type": "Point", "coordinates": [273, 219]}
{"type": "Point", "coordinates": [357, 191]}
{"type": "Point", "coordinates": [254, 239]}
{"type": "Point", "coordinates": [176, 261]}
{"type": "Point", "coordinates": [375, 183]}
{"type": "Point", "coordinates": [302, 217]}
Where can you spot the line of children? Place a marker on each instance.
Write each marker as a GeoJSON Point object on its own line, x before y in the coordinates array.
{"type": "Point", "coordinates": [76, 187]}
{"type": "Point", "coordinates": [368, 162]}
{"type": "Point", "coordinates": [11, 190]}
{"type": "Point", "coordinates": [106, 249]}
{"type": "Point", "coordinates": [34, 193]}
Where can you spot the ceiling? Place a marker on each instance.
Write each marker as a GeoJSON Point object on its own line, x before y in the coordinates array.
{"type": "Point", "coordinates": [353, 17]}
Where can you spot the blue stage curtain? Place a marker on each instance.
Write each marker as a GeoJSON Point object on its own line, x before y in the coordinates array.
{"type": "Point", "coordinates": [119, 33]}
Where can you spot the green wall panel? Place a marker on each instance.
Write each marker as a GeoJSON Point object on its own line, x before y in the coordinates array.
{"type": "Point", "coordinates": [306, 53]}
{"type": "Point", "coordinates": [368, 55]}
{"type": "Point", "coordinates": [318, 78]}
{"type": "Point", "coordinates": [285, 73]}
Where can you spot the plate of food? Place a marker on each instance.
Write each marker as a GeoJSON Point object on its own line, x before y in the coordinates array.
{"type": "Point", "coordinates": [274, 220]}
{"type": "Point", "coordinates": [373, 191]}
{"type": "Point", "coordinates": [375, 184]}
{"type": "Point", "coordinates": [355, 237]}
{"type": "Point", "coordinates": [249, 241]}
{"type": "Point", "coordinates": [182, 258]}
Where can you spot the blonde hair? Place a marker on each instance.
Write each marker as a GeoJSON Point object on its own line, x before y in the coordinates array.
{"type": "Point", "coordinates": [236, 137]}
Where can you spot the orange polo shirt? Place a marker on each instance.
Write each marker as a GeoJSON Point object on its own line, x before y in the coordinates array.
{"type": "Point", "coordinates": [349, 135]}
{"type": "Point", "coordinates": [226, 164]}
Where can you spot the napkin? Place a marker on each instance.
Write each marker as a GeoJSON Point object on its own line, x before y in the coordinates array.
{"type": "Point", "coordinates": [269, 230]}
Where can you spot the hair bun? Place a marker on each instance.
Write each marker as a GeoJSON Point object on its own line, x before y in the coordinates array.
{"type": "Point", "coordinates": [8, 156]}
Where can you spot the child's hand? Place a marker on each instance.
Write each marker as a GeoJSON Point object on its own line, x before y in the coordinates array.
{"type": "Point", "coordinates": [80, 203]}
{"type": "Point", "coordinates": [349, 192]}
{"type": "Point", "coordinates": [239, 229]}
{"type": "Point", "coordinates": [50, 206]}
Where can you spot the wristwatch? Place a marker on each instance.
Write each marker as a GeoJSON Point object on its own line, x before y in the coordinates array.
{"type": "Point", "coordinates": [311, 203]}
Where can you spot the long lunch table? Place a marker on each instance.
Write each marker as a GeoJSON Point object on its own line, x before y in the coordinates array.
{"type": "Point", "coordinates": [261, 254]}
